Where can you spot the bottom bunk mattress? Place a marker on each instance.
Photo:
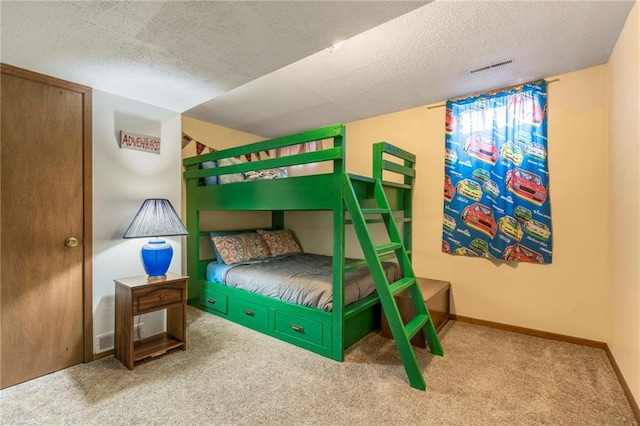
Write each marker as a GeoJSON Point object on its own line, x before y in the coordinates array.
{"type": "Point", "coordinates": [305, 279]}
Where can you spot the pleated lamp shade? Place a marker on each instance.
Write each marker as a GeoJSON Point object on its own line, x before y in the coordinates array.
{"type": "Point", "coordinates": [156, 218]}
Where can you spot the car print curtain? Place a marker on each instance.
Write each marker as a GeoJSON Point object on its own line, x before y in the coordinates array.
{"type": "Point", "coordinates": [496, 188]}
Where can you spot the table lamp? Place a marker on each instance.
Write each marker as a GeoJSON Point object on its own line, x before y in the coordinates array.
{"type": "Point", "coordinates": [156, 218]}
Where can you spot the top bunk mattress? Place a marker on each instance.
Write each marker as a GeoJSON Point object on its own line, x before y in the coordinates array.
{"type": "Point", "coordinates": [305, 279]}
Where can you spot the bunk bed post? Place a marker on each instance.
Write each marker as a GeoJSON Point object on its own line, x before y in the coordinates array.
{"type": "Point", "coordinates": [193, 240]}
{"type": "Point", "coordinates": [337, 317]}
{"type": "Point", "coordinates": [277, 219]}
{"type": "Point", "coordinates": [378, 149]}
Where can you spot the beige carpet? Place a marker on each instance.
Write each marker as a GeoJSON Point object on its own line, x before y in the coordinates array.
{"type": "Point", "coordinates": [231, 375]}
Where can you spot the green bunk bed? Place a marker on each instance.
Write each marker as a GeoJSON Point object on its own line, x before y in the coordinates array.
{"type": "Point", "coordinates": [367, 200]}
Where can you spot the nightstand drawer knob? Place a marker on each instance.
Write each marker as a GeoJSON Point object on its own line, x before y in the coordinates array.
{"type": "Point", "coordinates": [71, 242]}
{"type": "Point", "coordinates": [249, 312]}
{"type": "Point", "coordinates": [161, 296]}
{"type": "Point", "coordinates": [211, 300]}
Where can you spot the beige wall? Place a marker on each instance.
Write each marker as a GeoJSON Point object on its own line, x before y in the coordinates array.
{"type": "Point", "coordinates": [566, 297]}
{"type": "Point", "coordinates": [213, 136]}
{"type": "Point", "coordinates": [624, 201]}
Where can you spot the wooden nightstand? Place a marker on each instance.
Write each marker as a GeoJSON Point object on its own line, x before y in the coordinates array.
{"type": "Point", "coordinates": [139, 295]}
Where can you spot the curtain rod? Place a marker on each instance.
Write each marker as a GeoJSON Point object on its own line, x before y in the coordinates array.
{"type": "Point", "coordinates": [493, 90]}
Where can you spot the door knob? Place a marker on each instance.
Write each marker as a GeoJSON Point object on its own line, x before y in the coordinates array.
{"type": "Point", "coordinates": [71, 242]}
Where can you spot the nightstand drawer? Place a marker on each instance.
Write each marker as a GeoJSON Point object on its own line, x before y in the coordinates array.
{"type": "Point", "coordinates": [154, 298]}
{"type": "Point", "coordinates": [214, 300]}
{"type": "Point", "coordinates": [298, 327]}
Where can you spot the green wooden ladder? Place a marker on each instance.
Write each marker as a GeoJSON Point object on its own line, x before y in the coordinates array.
{"type": "Point", "coordinates": [374, 255]}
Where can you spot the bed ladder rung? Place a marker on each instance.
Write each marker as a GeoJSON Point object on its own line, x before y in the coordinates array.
{"type": "Point", "coordinates": [350, 222]}
{"type": "Point", "coordinates": [355, 265]}
{"type": "Point", "coordinates": [375, 211]}
{"type": "Point", "coordinates": [401, 285]}
{"type": "Point", "coordinates": [364, 264]}
{"type": "Point", "coordinates": [415, 325]}
{"type": "Point", "coordinates": [397, 185]}
{"type": "Point", "coordinates": [386, 248]}
{"type": "Point", "coordinates": [397, 219]}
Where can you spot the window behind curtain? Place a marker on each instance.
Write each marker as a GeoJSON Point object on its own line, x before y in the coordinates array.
{"type": "Point", "coordinates": [496, 188]}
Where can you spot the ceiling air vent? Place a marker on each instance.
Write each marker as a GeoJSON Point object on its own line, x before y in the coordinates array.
{"type": "Point", "coordinates": [488, 67]}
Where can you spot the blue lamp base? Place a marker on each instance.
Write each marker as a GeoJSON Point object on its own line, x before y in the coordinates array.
{"type": "Point", "coordinates": [156, 257]}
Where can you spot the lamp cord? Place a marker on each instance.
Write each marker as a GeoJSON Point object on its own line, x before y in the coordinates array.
{"type": "Point", "coordinates": [138, 328]}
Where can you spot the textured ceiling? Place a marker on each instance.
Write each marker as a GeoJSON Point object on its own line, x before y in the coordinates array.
{"type": "Point", "coordinates": [177, 54]}
{"type": "Point", "coordinates": [263, 67]}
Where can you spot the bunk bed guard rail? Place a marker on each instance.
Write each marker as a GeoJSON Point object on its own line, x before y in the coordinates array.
{"type": "Point", "coordinates": [334, 153]}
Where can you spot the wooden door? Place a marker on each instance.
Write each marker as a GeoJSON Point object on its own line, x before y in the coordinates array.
{"type": "Point", "coordinates": [45, 198]}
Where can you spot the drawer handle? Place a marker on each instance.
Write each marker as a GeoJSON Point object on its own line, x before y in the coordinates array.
{"type": "Point", "coordinates": [297, 328]}
{"type": "Point", "coordinates": [161, 296]}
{"type": "Point", "coordinates": [249, 312]}
{"type": "Point", "coordinates": [211, 300]}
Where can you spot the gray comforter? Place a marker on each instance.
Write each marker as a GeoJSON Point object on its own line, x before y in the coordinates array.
{"type": "Point", "coordinates": [305, 279]}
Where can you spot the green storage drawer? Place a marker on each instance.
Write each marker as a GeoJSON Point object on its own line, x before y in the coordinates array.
{"type": "Point", "coordinates": [214, 300]}
{"type": "Point", "coordinates": [299, 327]}
{"type": "Point", "coordinates": [248, 313]}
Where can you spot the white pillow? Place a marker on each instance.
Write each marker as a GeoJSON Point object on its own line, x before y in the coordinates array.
{"type": "Point", "coordinates": [235, 177]}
